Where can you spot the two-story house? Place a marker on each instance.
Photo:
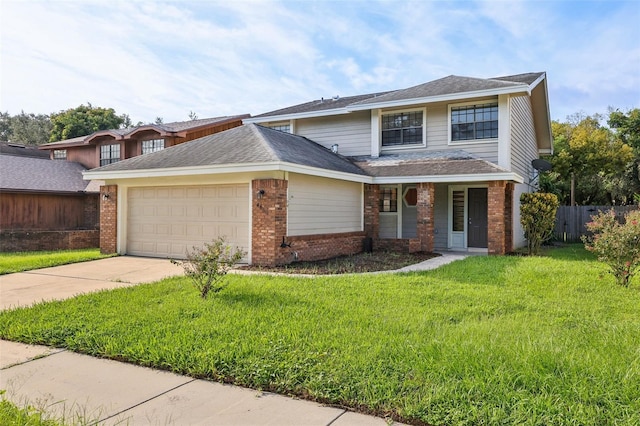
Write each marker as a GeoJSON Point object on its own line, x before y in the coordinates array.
{"type": "Point", "coordinates": [439, 166]}
{"type": "Point", "coordinates": [109, 146]}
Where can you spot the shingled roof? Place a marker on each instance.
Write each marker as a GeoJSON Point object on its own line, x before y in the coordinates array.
{"type": "Point", "coordinates": [22, 173]}
{"type": "Point", "coordinates": [247, 144]}
{"type": "Point", "coordinates": [435, 163]}
{"type": "Point", "coordinates": [450, 85]}
{"type": "Point", "coordinates": [162, 128]}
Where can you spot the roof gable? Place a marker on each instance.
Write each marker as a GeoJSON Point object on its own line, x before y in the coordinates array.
{"type": "Point", "coordinates": [247, 144]}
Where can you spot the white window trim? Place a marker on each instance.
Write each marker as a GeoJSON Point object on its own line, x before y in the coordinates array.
{"type": "Point", "coordinates": [289, 123]}
{"type": "Point", "coordinates": [164, 145]}
{"type": "Point", "coordinates": [403, 147]}
{"type": "Point", "coordinates": [398, 212]}
{"type": "Point", "coordinates": [472, 141]}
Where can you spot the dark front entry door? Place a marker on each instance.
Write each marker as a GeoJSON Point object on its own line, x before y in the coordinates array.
{"type": "Point", "coordinates": [477, 217]}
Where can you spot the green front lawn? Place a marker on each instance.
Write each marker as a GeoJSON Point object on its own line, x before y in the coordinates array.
{"type": "Point", "coordinates": [486, 340]}
{"type": "Point", "coordinates": [26, 261]}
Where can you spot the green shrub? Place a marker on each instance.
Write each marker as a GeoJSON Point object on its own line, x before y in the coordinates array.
{"type": "Point", "coordinates": [206, 266]}
{"type": "Point", "coordinates": [616, 244]}
{"type": "Point", "coordinates": [538, 217]}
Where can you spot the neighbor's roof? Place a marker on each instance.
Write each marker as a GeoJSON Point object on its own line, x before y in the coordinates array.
{"type": "Point", "coordinates": [432, 167]}
{"type": "Point", "coordinates": [9, 148]}
{"type": "Point", "coordinates": [39, 174]}
{"type": "Point", "coordinates": [246, 145]}
{"type": "Point", "coordinates": [164, 129]}
{"type": "Point", "coordinates": [443, 87]}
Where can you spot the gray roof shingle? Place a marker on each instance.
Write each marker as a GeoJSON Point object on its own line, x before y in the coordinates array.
{"type": "Point", "coordinates": [40, 174]}
{"type": "Point", "coordinates": [246, 144]}
{"type": "Point", "coordinates": [444, 86]}
{"type": "Point", "coordinates": [437, 163]}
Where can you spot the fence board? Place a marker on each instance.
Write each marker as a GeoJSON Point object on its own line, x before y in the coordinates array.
{"type": "Point", "coordinates": [571, 220]}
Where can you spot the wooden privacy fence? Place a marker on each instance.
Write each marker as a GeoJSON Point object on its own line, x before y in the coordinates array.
{"type": "Point", "coordinates": [571, 220]}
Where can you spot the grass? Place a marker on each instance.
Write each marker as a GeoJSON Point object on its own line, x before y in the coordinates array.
{"type": "Point", "coordinates": [486, 340]}
{"type": "Point", "coordinates": [10, 414]}
{"type": "Point", "coordinates": [26, 261]}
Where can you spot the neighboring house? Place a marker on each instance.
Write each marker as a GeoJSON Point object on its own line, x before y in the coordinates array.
{"type": "Point", "coordinates": [110, 146]}
{"type": "Point", "coordinates": [439, 166]}
{"type": "Point", "coordinates": [45, 204]}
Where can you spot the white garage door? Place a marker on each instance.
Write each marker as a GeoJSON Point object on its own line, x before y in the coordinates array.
{"type": "Point", "coordinates": [168, 221]}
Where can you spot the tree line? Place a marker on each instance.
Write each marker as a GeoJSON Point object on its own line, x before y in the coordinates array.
{"type": "Point", "coordinates": [37, 129]}
{"type": "Point", "coordinates": [594, 163]}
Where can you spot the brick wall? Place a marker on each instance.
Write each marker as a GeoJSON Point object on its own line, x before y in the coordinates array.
{"type": "Point", "coordinates": [325, 246]}
{"type": "Point", "coordinates": [269, 221]}
{"type": "Point", "coordinates": [14, 241]}
{"type": "Point", "coordinates": [371, 210]}
{"type": "Point", "coordinates": [508, 217]}
{"type": "Point", "coordinates": [497, 217]}
{"type": "Point", "coordinates": [425, 214]}
{"type": "Point", "coordinates": [91, 211]}
{"type": "Point", "coordinates": [108, 218]}
{"type": "Point", "coordinates": [399, 245]}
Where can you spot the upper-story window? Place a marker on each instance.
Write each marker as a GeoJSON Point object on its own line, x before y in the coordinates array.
{"type": "Point", "coordinates": [402, 128]}
{"type": "Point", "coordinates": [109, 154]}
{"type": "Point", "coordinates": [152, 145]}
{"type": "Point", "coordinates": [472, 122]}
{"type": "Point", "coordinates": [283, 127]}
{"type": "Point", "coordinates": [59, 154]}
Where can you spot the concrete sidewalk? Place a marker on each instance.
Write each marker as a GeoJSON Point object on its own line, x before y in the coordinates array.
{"type": "Point", "coordinates": [87, 390]}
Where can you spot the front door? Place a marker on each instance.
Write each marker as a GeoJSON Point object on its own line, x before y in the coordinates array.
{"type": "Point", "coordinates": [477, 218]}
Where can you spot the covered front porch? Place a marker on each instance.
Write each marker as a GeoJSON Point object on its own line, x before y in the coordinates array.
{"type": "Point", "coordinates": [430, 216]}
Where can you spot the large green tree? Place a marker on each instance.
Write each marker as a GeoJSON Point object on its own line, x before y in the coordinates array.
{"type": "Point", "coordinates": [593, 160]}
{"type": "Point", "coordinates": [27, 129]}
{"type": "Point", "coordinates": [82, 121]}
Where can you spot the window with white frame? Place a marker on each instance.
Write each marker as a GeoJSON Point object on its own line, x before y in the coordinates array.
{"type": "Point", "coordinates": [473, 122]}
{"type": "Point", "coordinates": [59, 154]}
{"type": "Point", "coordinates": [109, 154]}
{"type": "Point", "coordinates": [283, 127]}
{"type": "Point", "coordinates": [402, 128]}
{"type": "Point", "coordinates": [152, 145]}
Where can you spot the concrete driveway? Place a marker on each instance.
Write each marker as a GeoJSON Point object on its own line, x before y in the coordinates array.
{"type": "Point", "coordinates": [63, 282]}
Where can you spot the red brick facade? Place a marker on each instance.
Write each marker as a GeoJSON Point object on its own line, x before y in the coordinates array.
{"type": "Point", "coordinates": [500, 215]}
{"type": "Point", "coordinates": [36, 240]}
{"type": "Point", "coordinates": [324, 246]}
{"type": "Point", "coordinates": [371, 210]}
{"type": "Point", "coordinates": [108, 219]}
{"type": "Point", "coordinates": [426, 201]}
{"type": "Point", "coordinates": [269, 221]}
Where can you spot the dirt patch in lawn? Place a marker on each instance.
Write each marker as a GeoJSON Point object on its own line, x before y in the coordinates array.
{"type": "Point", "coordinates": [362, 262]}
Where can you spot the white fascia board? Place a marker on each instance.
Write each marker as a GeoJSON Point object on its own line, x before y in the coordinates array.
{"type": "Point", "coordinates": [514, 177]}
{"type": "Point", "coordinates": [523, 88]}
{"type": "Point", "coordinates": [284, 117]}
{"type": "Point", "coordinates": [223, 169]}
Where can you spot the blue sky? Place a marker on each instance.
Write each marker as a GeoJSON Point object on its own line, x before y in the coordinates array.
{"type": "Point", "coordinates": [150, 59]}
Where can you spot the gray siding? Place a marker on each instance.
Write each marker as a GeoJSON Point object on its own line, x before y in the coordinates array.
{"type": "Point", "coordinates": [523, 137]}
{"type": "Point", "coordinates": [441, 212]}
{"type": "Point", "coordinates": [352, 132]}
{"type": "Point", "coordinates": [388, 225]}
{"type": "Point", "coordinates": [323, 206]}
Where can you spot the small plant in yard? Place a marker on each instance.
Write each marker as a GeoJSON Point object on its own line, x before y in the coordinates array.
{"type": "Point", "coordinates": [206, 266]}
{"type": "Point", "coordinates": [616, 244]}
{"type": "Point", "coordinates": [538, 216]}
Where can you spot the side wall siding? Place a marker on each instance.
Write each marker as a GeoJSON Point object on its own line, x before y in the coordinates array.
{"type": "Point", "coordinates": [523, 136]}
{"type": "Point", "coordinates": [352, 132]}
{"type": "Point", "coordinates": [319, 205]}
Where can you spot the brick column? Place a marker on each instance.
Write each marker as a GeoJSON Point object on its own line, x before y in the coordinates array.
{"type": "Point", "coordinates": [269, 221]}
{"type": "Point", "coordinates": [508, 217]}
{"type": "Point", "coordinates": [371, 210]}
{"type": "Point", "coordinates": [425, 214]}
{"type": "Point", "coordinates": [109, 219]}
{"type": "Point", "coordinates": [497, 217]}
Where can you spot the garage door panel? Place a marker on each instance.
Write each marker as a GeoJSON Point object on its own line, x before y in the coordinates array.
{"type": "Point", "coordinates": [168, 221]}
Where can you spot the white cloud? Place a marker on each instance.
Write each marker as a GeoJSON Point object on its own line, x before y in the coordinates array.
{"type": "Point", "coordinates": [164, 59]}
